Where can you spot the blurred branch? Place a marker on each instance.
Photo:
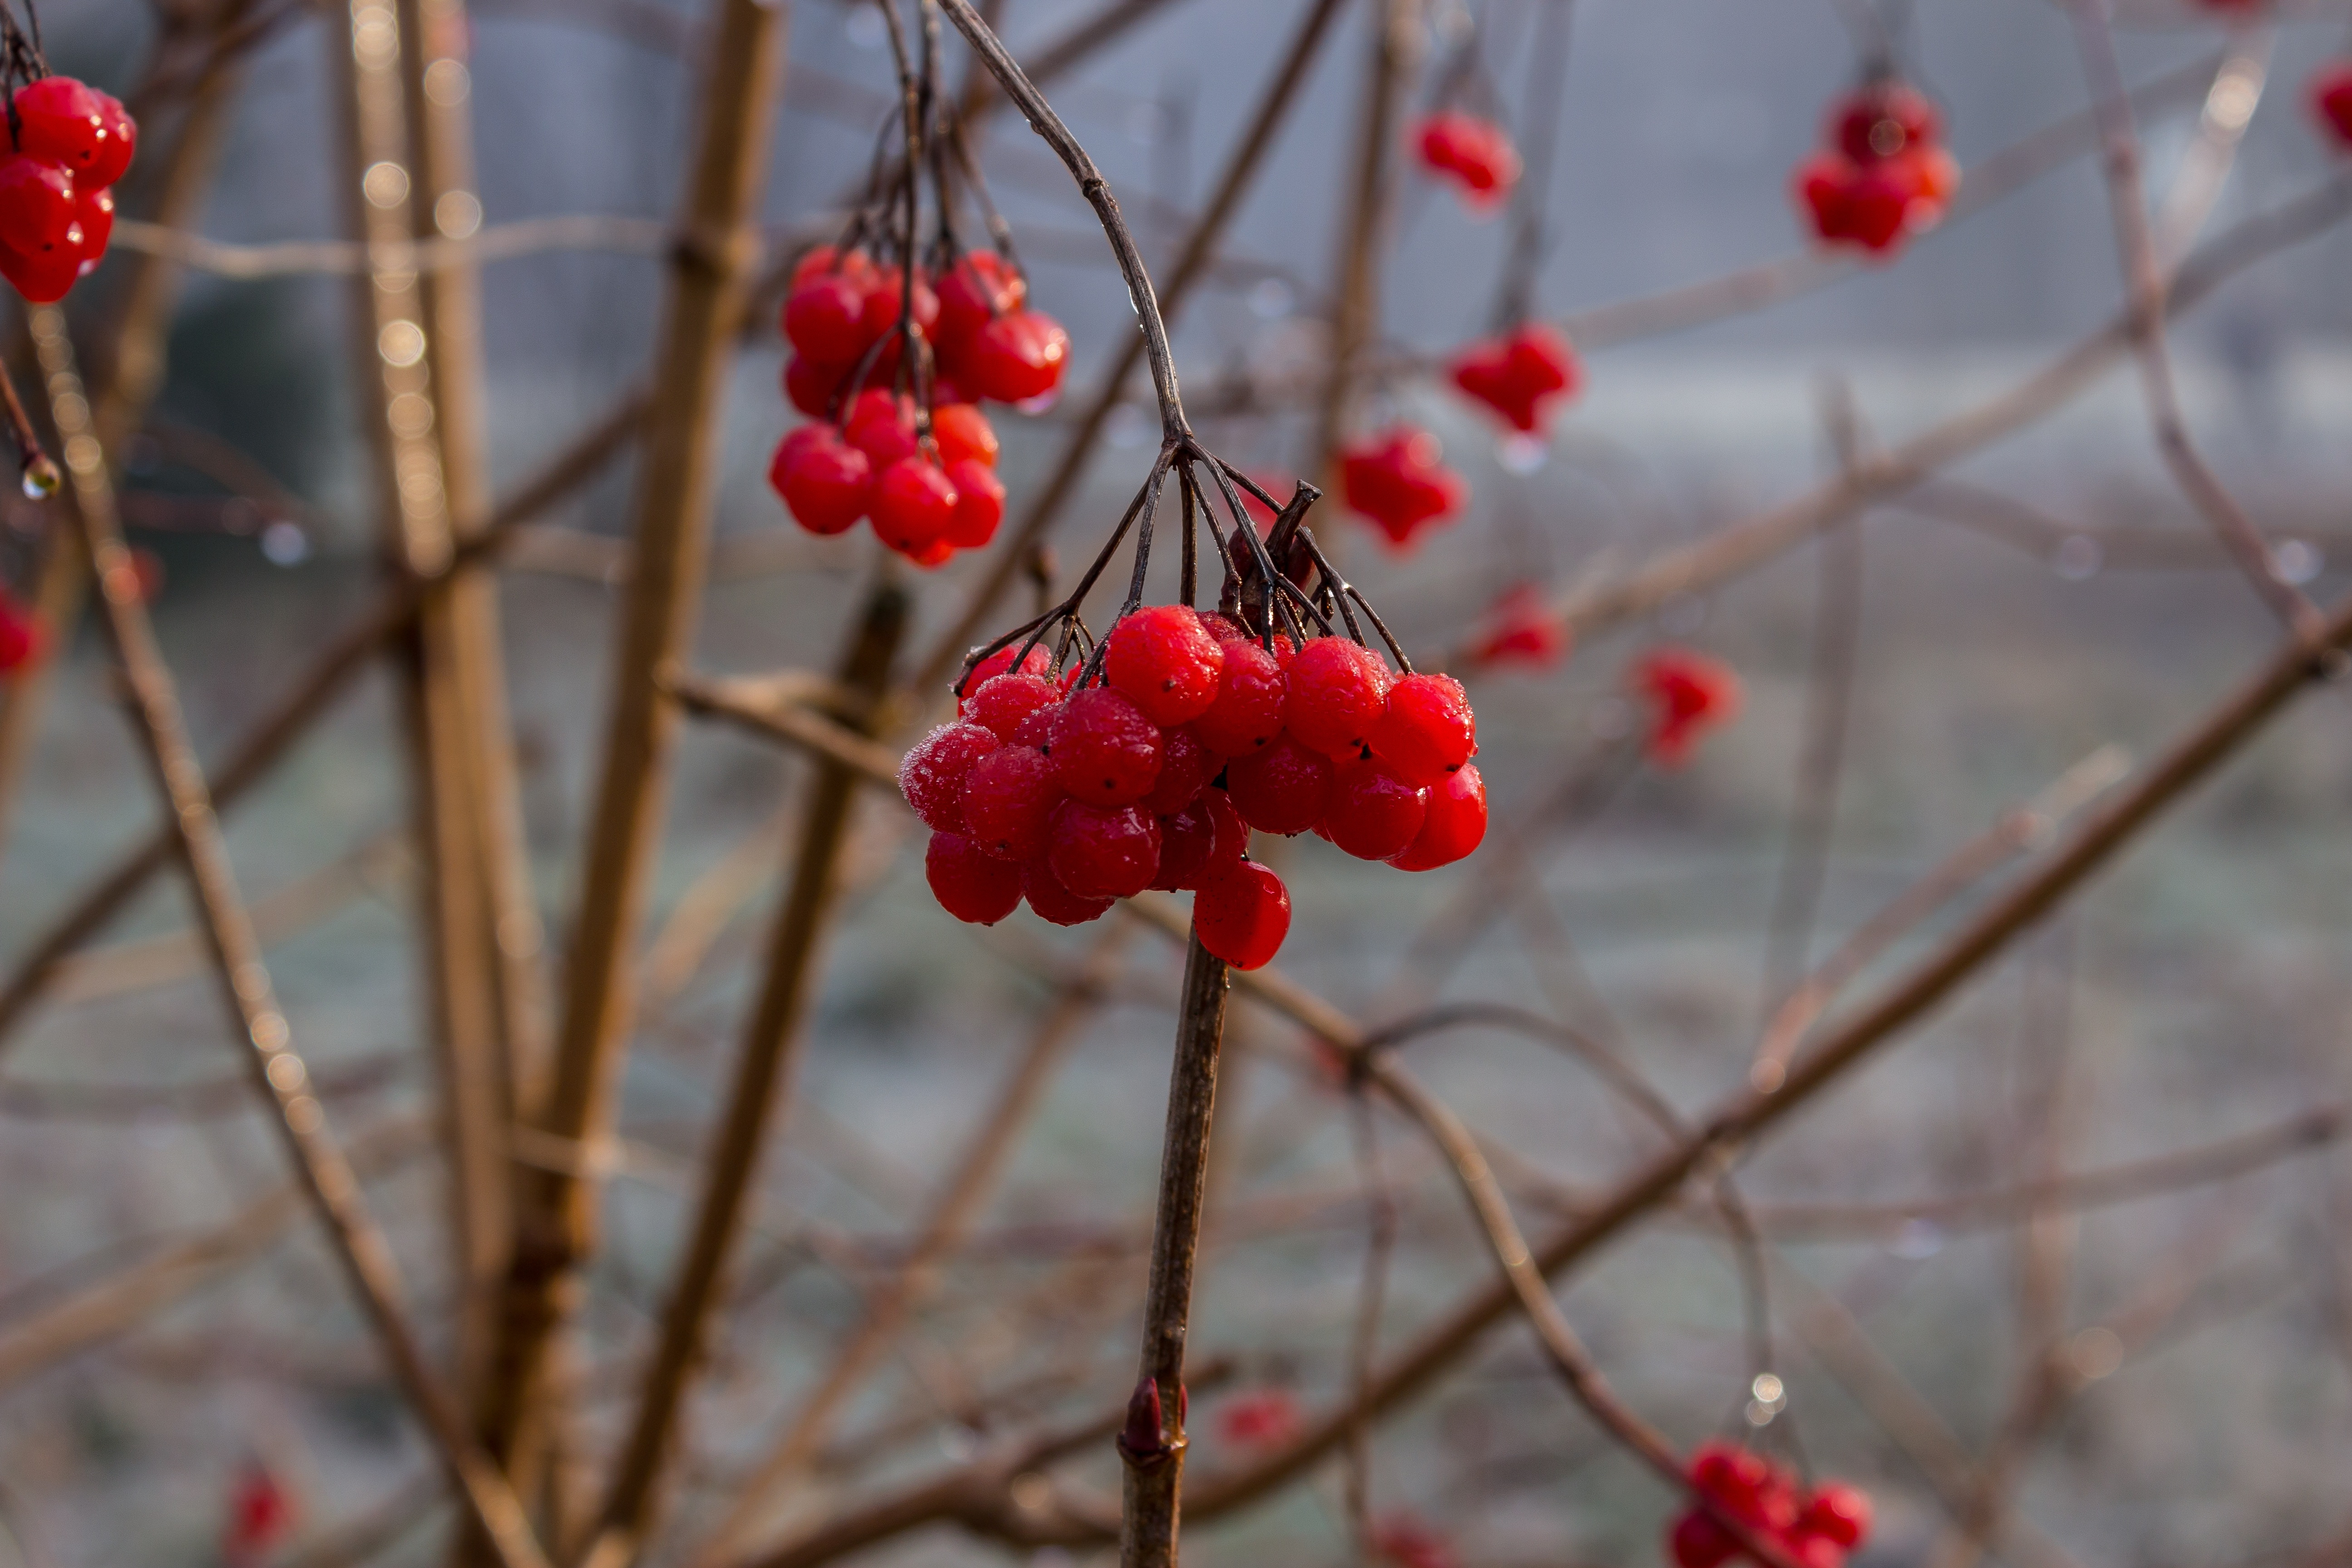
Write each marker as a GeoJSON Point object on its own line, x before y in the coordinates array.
{"type": "Point", "coordinates": [331, 257]}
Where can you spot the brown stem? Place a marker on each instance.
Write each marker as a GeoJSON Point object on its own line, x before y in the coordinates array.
{"type": "Point", "coordinates": [1151, 1444]}
{"type": "Point", "coordinates": [1356, 291]}
{"type": "Point", "coordinates": [710, 270]}
{"type": "Point", "coordinates": [2144, 280]}
{"type": "Point", "coordinates": [251, 758]}
{"type": "Point", "coordinates": [279, 1073]}
{"type": "Point", "coordinates": [1192, 263]}
{"type": "Point", "coordinates": [762, 1078]}
{"type": "Point", "coordinates": [960, 1195]}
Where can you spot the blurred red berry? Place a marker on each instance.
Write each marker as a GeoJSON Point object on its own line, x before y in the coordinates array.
{"type": "Point", "coordinates": [980, 286]}
{"type": "Point", "coordinates": [913, 506]}
{"type": "Point", "coordinates": [2331, 100]}
{"type": "Point", "coordinates": [1398, 483]}
{"type": "Point", "coordinates": [1473, 154]}
{"type": "Point", "coordinates": [824, 482]}
{"type": "Point", "coordinates": [980, 503]}
{"type": "Point", "coordinates": [962, 431]}
{"type": "Point", "coordinates": [1016, 357]}
{"type": "Point", "coordinates": [1690, 694]}
{"type": "Point", "coordinates": [1260, 1418]}
{"type": "Point", "coordinates": [1522, 375]}
{"type": "Point", "coordinates": [1521, 628]}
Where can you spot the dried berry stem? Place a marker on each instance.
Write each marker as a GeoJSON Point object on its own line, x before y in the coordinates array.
{"type": "Point", "coordinates": [1152, 1444]}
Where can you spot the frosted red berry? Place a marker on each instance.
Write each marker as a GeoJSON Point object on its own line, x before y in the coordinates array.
{"type": "Point", "coordinates": [1426, 729]}
{"type": "Point", "coordinates": [1455, 823]}
{"type": "Point", "coordinates": [1055, 903]}
{"type": "Point", "coordinates": [1106, 751]}
{"type": "Point", "coordinates": [1035, 662]}
{"type": "Point", "coordinates": [970, 885]}
{"type": "Point", "coordinates": [1009, 797]}
{"type": "Point", "coordinates": [1103, 852]}
{"type": "Point", "coordinates": [1003, 702]}
{"type": "Point", "coordinates": [980, 503]}
{"type": "Point", "coordinates": [1246, 714]}
{"type": "Point", "coordinates": [1339, 690]}
{"type": "Point", "coordinates": [913, 506]}
{"type": "Point", "coordinates": [1166, 663]}
{"type": "Point", "coordinates": [1372, 814]}
{"type": "Point", "coordinates": [1281, 789]}
{"type": "Point", "coordinates": [1242, 914]}
{"type": "Point", "coordinates": [1185, 768]}
{"type": "Point", "coordinates": [933, 772]}
{"type": "Point", "coordinates": [823, 480]}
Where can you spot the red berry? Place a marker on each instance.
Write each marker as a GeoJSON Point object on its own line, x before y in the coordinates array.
{"type": "Point", "coordinates": [1265, 1419]}
{"type": "Point", "coordinates": [979, 285]}
{"type": "Point", "coordinates": [1882, 120]}
{"type": "Point", "coordinates": [886, 297]}
{"type": "Point", "coordinates": [1016, 357]}
{"type": "Point", "coordinates": [1520, 376]}
{"type": "Point", "coordinates": [2331, 99]}
{"type": "Point", "coordinates": [94, 210]}
{"type": "Point", "coordinates": [825, 319]}
{"type": "Point", "coordinates": [1339, 690]}
{"type": "Point", "coordinates": [933, 772]}
{"type": "Point", "coordinates": [811, 386]}
{"type": "Point", "coordinates": [1241, 913]}
{"type": "Point", "coordinates": [1691, 694]}
{"type": "Point", "coordinates": [1522, 628]}
{"type": "Point", "coordinates": [1003, 702]}
{"type": "Point", "coordinates": [1053, 901]}
{"type": "Point", "coordinates": [1205, 833]}
{"type": "Point", "coordinates": [20, 637]}
{"type": "Point", "coordinates": [1474, 154]}
{"type": "Point", "coordinates": [1838, 1513]}
{"type": "Point", "coordinates": [1008, 799]}
{"type": "Point", "coordinates": [42, 280]}
{"type": "Point", "coordinates": [913, 506]}
{"type": "Point", "coordinates": [970, 885]}
{"type": "Point", "coordinates": [37, 210]}
{"type": "Point", "coordinates": [121, 143]}
{"type": "Point", "coordinates": [823, 479]}
{"type": "Point", "coordinates": [980, 503]}
{"type": "Point", "coordinates": [1399, 484]}
{"type": "Point", "coordinates": [881, 426]}
{"type": "Point", "coordinates": [962, 431]}
{"type": "Point", "coordinates": [1283, 789]}
{"type": "Point", "coordinates": [1455, 825]}
{"type": "Point", "coordinates": [1426, 730]}
{"type": "Point", "coordinates": [1038, 662]}
{"type": "Point", "coordinates": [1372, 814]}
{"type": "Point", "coordinates": [63, 122]}
{"type": "Point", "coordinates": [1106, 751]}
{"type": "Point", "coordinates": [1165, 662]}
{"type": "Point", "coordinates": [1103, 852]}
{"type": "Point", "coordinates": [1697, 1540]}
{"type": "Point", "coordinates": [1252, 691]}
{"type": "Point", "coordinates": [1185, 769]}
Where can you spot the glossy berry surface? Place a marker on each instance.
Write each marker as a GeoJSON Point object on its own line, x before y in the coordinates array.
{"type": "Point", "coordinates": [1103, 852]}
{"type": "Point", "coordinates": [1242, 914]}
{"type": "Point", "coordinates": [1014, 358]}
{"type": "Point", "coordinates": [980, 503]}
{"type": "Point", "coordinates": [974, 887]}
{"type": "Point", "coordinates": [980, 286]}
{"type": "Point", "coordinates": [1165, 662]}
{"type": "Point", "coordinates": [825, 481]}
{"type": "Point", "coordinates": [1372, 814]}
{"type": "Point", "coordinates": [1281, 789]}
{"type": "Point", "coordinates": [932, 774]}
{"type": "Point", "coordinates": [1455, 823]}
{"type": "Point", "coordinates": [1246, 714]}
{"type": "Point", "coordinates": [1398, 483]}
{"type": "Point", "coordinates": [913, 506]}
{"type": "Point", "coordinates": [1426, 729]}
{"type": "Point", "coordinates": [1339, 691]}
{"type": "Point", "coordinates": [962, 432]}
{"type": "Point", "coordinates": [1106, 751]}
{"type": "Point", "coordinates": [825, 320]}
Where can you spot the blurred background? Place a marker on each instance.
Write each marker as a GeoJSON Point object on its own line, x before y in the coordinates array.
{"type": "Point", "coordinates": [2201, 1332]}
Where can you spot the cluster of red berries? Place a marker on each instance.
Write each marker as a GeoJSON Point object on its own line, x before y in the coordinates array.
{"type": "Point", "coordinates": [1073, 794]}
{"type": "Point", "coordinates": [1689, 694]}
{"type": "Point", "coordinates": [923, 471]}
{"type": "Point", "coordinates": [1473, 154]}
{"type": "Point", "coordinates": [1397, 482]}
{"type": "Point", "coordinates": [1522, 628]}
{"type": "Point", "coordinates": [1522, 375]}
{"type": "Point", "coordinates": [56, 206]}
{"type": "Point", "coordinates": [1817, 1527]}
{"type": "Point", "coordinates": [2331, 101]}
{"type": "Point", "coordinates": [1884, 174]}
